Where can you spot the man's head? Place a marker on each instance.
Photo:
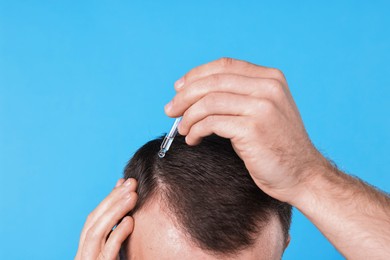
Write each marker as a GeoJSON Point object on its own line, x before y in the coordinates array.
{"type": "Point", "coordinates": [201, 201]}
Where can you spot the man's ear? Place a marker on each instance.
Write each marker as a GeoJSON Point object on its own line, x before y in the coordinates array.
{"type": "Point", "coordinates": [287, 242]}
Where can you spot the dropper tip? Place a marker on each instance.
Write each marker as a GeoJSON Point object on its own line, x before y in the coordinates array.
{"type": "Point", "coordinates": [161, 153]}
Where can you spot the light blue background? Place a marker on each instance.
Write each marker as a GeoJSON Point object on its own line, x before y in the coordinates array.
{"type": "Point", "coordinates": [83, 85]}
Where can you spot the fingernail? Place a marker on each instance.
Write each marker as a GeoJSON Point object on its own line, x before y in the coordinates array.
{"type": "Point", "coordinates": [179, 83]}
{"type": "Point", "coordinates": [168, 106]}
{"type": "Point", "coordinates": [118, 182]}
{"type": "Point", "coordinates": [128, 182]}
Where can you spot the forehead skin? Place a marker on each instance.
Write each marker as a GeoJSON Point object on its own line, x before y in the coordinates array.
{"type": "Point", "coordinates": [155, 236]}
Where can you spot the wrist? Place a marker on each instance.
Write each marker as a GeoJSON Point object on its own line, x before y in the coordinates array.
{"type": "Point", "coordinates": [314, 179]}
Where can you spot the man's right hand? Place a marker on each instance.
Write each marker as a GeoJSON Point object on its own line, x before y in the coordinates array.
{"type": "Point", "coordinates": [253, 107]}
{"type": "Point", "coordinates": [98, 239]}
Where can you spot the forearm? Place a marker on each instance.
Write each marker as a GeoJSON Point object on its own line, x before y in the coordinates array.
{"type": "Point", "coordinates": [253, 107]}
{"type": "Point", "coordinates": [354, 216]}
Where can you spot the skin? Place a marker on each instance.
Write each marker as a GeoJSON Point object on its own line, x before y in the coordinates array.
{"type": "Point", "coordinates": [252, 106]}
{"type": "Point", "coordinates": [155, 236]}
{"type": "Point", "coordinates": [97, 240]}
{"type": "Point", "coordinates": [154, 233]}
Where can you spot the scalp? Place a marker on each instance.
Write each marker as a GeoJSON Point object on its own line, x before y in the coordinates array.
{"type": "Point", "coordinates": [209, 192]}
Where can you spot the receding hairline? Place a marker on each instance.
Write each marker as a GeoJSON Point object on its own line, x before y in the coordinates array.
{"type": "Point", "coordinates": [156, 190]}
{"type": "Point", "coordinates": [158, 197]}
{"type": "Point", "coordinates": [268, 244]}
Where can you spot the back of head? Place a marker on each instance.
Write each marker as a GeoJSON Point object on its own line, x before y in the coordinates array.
{"type": "Point", "coordinates": [208, 191]}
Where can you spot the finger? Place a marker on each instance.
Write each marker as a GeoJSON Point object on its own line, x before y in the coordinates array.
{"type": "Point", "coordinates": [237, 84]}
{"type": "Point", "coordinates": [119, 182]}
{"type": "Point", "coordinates": [117, 237]}
{"type": "Point", "coordinates": [230, 127]}
{"type": "Point", "coordinates": [234, 127]}
{"type": "Point", "coordinates": [127, 186]}
{"type": "Point", "coordinates": [219, 104]}
{"type": "Point", "coordinates": [228, 66]}
{"type": "Point", "coordinates": [98, 233]}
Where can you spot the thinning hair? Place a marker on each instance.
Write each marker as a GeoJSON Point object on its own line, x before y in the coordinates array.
{"type": "Point", "coordinates": [208, 191]}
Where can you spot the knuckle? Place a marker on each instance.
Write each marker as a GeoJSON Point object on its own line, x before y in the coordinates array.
{"type": "Point", "coordinates": [226, 62]}
{"type": "Point", "coordinates": [191, 94]}
{"type": "Point", "coordinates": [251, 127]}
{"type": "Point", "coordinates": [265, 108]}
{"type": "Point", "coordinates": [275, 88]}
{"type": "Point", "coordinates": [188, 118]}
{"type": "Point", "coordinates": [92, 234]}
{"type": "Point", "coordinates": [195, 129]}
{"type": "Point", "coordinates": [199, 128]}
{"type": "Point", "coordinates": [278, 74]}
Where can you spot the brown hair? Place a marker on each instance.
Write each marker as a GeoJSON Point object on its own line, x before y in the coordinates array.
{"type": "Point", "coordinates": [208, 190]}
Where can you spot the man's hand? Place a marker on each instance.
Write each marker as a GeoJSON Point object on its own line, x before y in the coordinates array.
{"type": "Point", "coordinates": [252, 106]}
{"type": "Point", "coordinates": [98, 239]}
